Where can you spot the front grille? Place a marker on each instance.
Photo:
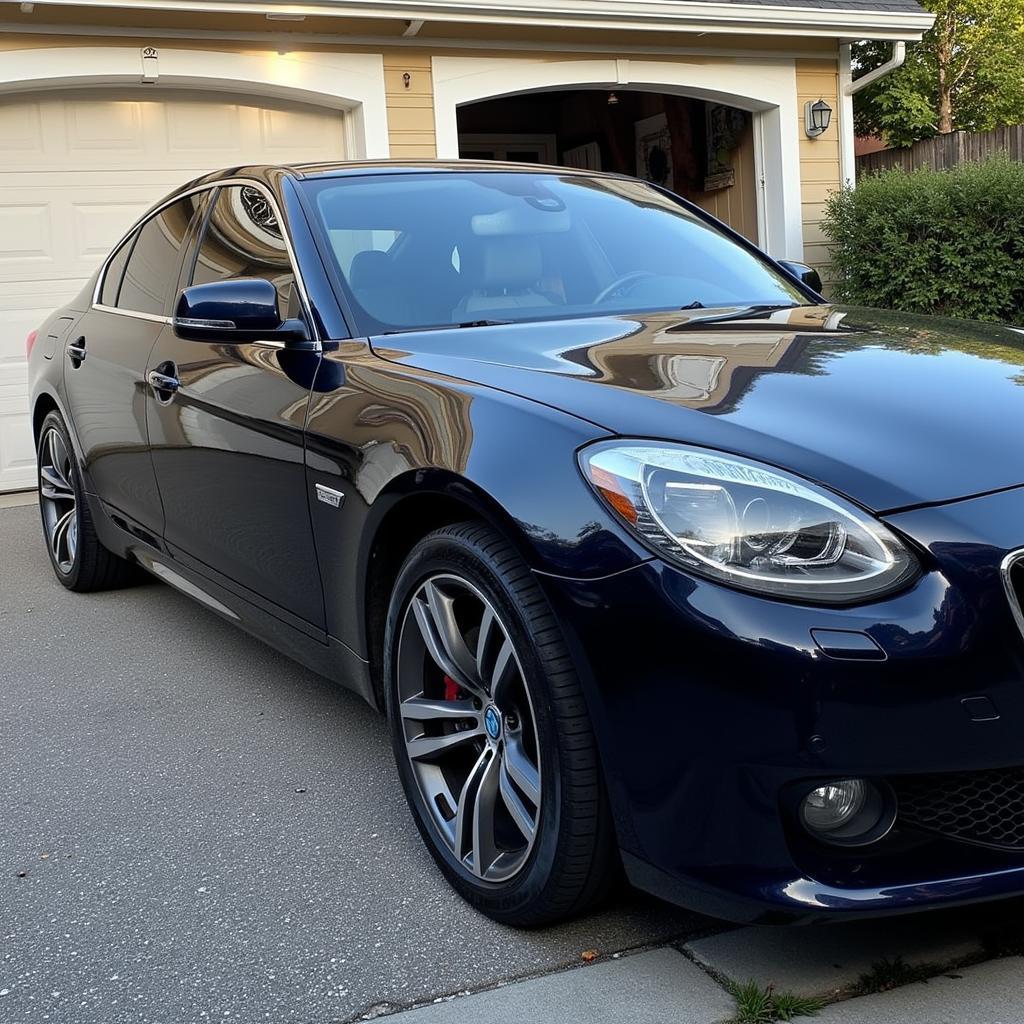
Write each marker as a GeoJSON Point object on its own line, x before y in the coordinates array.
{"type": "Point", "coordinates": [984, 807]}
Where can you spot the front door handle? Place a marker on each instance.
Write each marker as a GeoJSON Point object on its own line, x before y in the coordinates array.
{"type": "Point", "coordinates": [164, 384]}
{"type": "Point", "coordinates": [76, 352]}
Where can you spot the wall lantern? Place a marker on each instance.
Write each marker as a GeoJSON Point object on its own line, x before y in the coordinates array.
{"type": "Point", "coordinates": [817, 118]}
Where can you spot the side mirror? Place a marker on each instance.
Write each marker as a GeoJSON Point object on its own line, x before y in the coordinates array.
{"type": "Point", "coordinates": [803, 273]}
{"type": "Point", "coordinates": [234, 312]}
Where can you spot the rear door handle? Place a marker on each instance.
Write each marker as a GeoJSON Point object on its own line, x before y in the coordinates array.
{"type": "Point", "coordinates": [164, 384]}
{"type": "Point", "coordinates": [76, 352]}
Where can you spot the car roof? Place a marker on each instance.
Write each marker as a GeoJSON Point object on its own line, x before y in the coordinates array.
{"type": "Point", "coordinates": [355, 168]}
{"type": "Point", "coordinates": [437, 166]}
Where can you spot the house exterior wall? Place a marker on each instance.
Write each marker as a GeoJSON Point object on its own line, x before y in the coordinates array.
{"type": "Point", "coordinates": [410, 108]}
{"type": "Point", "coordinates": [411, 122]}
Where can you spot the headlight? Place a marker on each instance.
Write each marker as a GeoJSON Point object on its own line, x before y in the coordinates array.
{"type": "Point", "coordinates": [747, 524]}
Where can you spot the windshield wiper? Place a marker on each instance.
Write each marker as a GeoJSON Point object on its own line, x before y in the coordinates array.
{"type": "Point", "coordinates": [737, 314]}
{"type": "Point", "coordinates": [451, 327]}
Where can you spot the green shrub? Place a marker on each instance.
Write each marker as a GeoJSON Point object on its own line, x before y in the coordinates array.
{"type": "Point", "coordinates": [949, 243]}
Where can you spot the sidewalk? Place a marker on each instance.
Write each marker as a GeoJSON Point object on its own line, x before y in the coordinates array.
{"type": "Point", "coordinates": [926, 969]}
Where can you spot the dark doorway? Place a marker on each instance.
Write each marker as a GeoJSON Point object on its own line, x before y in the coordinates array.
{"type": "Point", "coordinates": [703, 151]}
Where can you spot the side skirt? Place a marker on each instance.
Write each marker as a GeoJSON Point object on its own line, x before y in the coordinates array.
{"type": "Point", "coordinates": [323, 653]}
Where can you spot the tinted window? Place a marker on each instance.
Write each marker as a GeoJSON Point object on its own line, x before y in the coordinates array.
{"type": "Point", "coordinates": [153, 266]}
{"type": "Point", "coordinates": [243, 239]}
{"type": "Point", "coordinates": [424, 250]}
{"type": "Point", "coordinates": [115, 270]}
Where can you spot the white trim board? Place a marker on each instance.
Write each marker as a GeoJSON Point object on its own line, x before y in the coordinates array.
{"type": "Point", "coordinates": [766, 88]}
{"type": "Point", "coordinates": [352, 82]}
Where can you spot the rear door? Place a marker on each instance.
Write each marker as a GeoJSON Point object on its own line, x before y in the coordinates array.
{"type": "Point", "coordinates": [228, 444]}
{"type": "Point", "coordinates": [105, 358]}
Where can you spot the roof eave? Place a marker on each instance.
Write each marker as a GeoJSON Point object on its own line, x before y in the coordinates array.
{"type": "Point", "coordinates": [638, 15]}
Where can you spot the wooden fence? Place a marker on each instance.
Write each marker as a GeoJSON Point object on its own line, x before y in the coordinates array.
{"type": "Point", "coordinates": [945, 151]}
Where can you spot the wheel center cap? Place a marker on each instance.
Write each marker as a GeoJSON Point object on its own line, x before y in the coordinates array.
{"type": "Point", "coordinates": [492, 722]}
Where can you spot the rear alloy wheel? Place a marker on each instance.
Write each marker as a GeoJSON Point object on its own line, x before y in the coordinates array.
{"type": "Point", "coordinates": [492, 741]}
{"type": "Point", "coordinates": [58, 501]}
{"type": "Point", "coordinates": [78, 558]}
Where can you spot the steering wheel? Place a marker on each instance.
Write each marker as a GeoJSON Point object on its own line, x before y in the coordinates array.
{"type": "Point", "coordinates": [621, 282]}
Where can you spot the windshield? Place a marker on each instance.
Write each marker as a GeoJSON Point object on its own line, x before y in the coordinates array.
{"type": "Point", "coordinates": [429, 250]}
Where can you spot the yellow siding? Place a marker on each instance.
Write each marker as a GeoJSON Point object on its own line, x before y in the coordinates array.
{"type": "Point", "coordinates": [410, 108]}
{"type": "Point", "coordinates": [820, 173]}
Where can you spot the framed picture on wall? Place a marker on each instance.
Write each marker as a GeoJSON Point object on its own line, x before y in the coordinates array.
{"type": "Point", "coordinates": [654, 150]}
{"type": "Point", "coordinates": [724, 127]}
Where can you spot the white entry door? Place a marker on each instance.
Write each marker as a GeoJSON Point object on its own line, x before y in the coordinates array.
{"type": "Point", "coordinates": [77, 169]}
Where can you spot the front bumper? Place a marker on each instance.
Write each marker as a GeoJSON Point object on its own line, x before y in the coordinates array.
{"type": "Point", "coordinates": [709, 703]}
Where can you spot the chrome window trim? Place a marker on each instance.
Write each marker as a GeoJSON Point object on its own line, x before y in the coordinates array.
{"type": "Point", "coordinates": [135, 315]}
{"type": "Point", "coordinates": [1004, 571]}
{"type": "Point", "coordinates": [208, 187]}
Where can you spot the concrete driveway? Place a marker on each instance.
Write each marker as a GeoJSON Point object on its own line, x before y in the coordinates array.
{"type": "Point", "coordinates": [194, 828]}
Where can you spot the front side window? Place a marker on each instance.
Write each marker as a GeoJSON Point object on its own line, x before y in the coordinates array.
{"type": "Point", "coordinates": [425, 250]}
{"type": "Point", "coordinates": [152, 269]}
{"type": "Point", "coordinates": [243, 239]}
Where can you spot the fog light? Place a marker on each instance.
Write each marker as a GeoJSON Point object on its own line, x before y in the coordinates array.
{"type": "Point", "coordinates": [850, 812]}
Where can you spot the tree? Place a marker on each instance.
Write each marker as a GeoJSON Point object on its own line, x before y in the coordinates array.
{"type": "Point", "coordinates": [965, 74]}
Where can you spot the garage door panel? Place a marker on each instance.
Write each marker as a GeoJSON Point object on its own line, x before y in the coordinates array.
{"type": "Point", "coordinates": [97, 226]}
{"type": "Point", "coordinates": [108, 127]}
{"type": "Point", "coordinates": [202, 127]}
{"type": "Point", "coordinates": [17, 455]}
{"type": "Point", "coordinates": [25, 233]}
{"type": "Point", "coordinates": [21, 129]}
{"type": "Point", "coordinates": [297, 131]}
{"type": "Point", "coordinates": [68, 234]}
{"type": "Point", "coordinates": [76, 170]}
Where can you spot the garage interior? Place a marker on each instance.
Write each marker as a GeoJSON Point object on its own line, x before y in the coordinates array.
{"type": "Point", "coordinates": [703, 151]}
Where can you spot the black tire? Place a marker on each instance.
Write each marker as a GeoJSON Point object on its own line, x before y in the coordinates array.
{"type": "Point", "coordinates": [572, 861]}
{"type": "Point", "coordinates": [90, 566]}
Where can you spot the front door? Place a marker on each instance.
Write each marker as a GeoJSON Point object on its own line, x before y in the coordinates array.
{"type": "Point", "coordinates": [228, 443]}
{"type": "Point", "coordinates": [106, 355]}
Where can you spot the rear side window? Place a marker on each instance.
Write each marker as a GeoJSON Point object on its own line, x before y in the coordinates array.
{"type": "Point", "coordinates": [243, 239]}
{"type": "Point", "coordinates": [115, 271]}
{"type": "Point", "coordinates": [152, 269]}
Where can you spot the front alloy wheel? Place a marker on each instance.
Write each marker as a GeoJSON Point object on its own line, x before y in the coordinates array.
{"type": "Point", "coordinates": [469, 727]}
{"type": "Point", "coordinates": [492, 739]}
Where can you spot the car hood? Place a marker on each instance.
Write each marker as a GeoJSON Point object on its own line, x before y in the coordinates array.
{"type": "Point", "coordinates": [890, 409]}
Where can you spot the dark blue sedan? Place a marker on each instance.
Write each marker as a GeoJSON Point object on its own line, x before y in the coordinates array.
{"type": "Point", "coordinates": [656, 560]}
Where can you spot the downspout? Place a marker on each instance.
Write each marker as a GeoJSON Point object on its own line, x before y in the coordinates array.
{"type": "Point", "coordinates": [847, 89]}
{"type": "Point", "coordinates": [899, 55]}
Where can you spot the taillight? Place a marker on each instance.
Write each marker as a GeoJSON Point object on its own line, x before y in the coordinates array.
{"type": "Point", "coordinates": [29, 342]}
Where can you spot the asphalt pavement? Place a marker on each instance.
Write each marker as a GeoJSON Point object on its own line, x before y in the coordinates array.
{"type": "Point", "coordinates": [194, 828]}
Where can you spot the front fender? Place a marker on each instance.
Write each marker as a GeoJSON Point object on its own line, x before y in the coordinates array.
{"type": "Point", "coordinates": [388, 434]}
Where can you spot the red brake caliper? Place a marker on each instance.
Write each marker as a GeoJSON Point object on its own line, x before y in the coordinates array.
{"type": "Point", "coordinates": [451, 689]}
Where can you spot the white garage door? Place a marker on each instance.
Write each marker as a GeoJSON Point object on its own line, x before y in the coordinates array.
{"type": "Point", "coordinates": [76, 170]}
